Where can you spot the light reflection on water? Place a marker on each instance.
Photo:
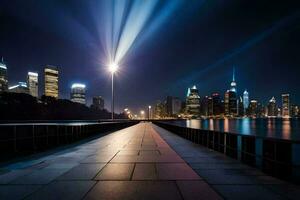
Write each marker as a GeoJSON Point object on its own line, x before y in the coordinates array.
{"type": "Point", "coordinates": [272, 127]}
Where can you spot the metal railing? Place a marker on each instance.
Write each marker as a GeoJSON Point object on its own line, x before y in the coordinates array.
{"type": "Point", "coordinates": [21, 139]}
{"type": "Point", "coordinates": [278, 157]}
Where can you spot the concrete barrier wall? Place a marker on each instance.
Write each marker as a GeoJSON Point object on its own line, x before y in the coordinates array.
{"type": "Point", "coordinates": [23, 139]}
{"type": "Point", "coordinates": [280, 158]}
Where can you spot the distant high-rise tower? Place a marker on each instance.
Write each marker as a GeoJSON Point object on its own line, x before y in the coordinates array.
{"type": "Point", "coordinates": [78, 93]}
{"type": "Point", "coordinates": [246, 100]}
{"type": "Point", "coordinates": [285, 105]}
{"type": "Point", "coordinates": [193, 102]}
{"type": "Point", "coordinates": [233, 83]}
{"type": "Point", "coordinates": [233, 106]}
{"type": "Point", "coordinates": [98, 103]}
{"type": "Point", "coordinates": [253, 108]}
{"type": "Point", "coordinates": [216, 101]}
{"type": "Point", "coordinates": [51, 81]}
{"type": "Point", "coordinates": [226, 103]}
{"type": "Point", "coordinates": [32, 83]}
{"type": "Point", "coordinates": [272, 108]}
{"type": "Point", "coordinates": [173, 106]}
{"type": "Point", "coordinates": [3, 77]}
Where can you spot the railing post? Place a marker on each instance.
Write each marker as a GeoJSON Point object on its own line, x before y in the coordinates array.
{"type": "Point", "coordinates": [239, 147]}
{"type": "Point", "coordinates": [296, 162]}
{"type": "Point", "coordinates": [259, 152]}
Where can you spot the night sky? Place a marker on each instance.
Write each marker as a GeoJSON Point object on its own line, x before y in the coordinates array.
{"type": "Point", "coordinates": [198, 43]}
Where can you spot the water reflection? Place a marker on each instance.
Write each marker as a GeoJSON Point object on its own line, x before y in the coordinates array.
{"type": "Point", "coordinates": [286, 128]}
{"type": "Point", "coordinates": [211, 124]}
{"type": "Point", "coordinates": [245, 126]}
{"type": "Point", "coordinates": [271, 127]}
{"type": "Point", "coordinates": [226, 125]}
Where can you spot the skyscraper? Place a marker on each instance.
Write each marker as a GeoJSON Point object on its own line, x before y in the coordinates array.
{"type": "Point", "coordinates": [78, 93]}
{"type": "Point", "coordinates": [253, 108]}
{"type": "Point", "coordinates": [19, 88]}
{"type": "Point", "coordinates": [226, 103]}
{"type": "Point", "coordinates": [233, 107]}
{"type": "Point", "coordinates": [285, 105]}
{"type": "Point", "coordinates": [193, 102]}
{"type": "Point", "coordinates": [98, 103]}
{"type": "Point", "coordinates": [32, 83]}
{"type": "Point", "coordinates": [272, 108]}
{"type": "Point", "coordinates": [210, 106]}
{"type": "Point", "coordinates": [216, 101]}
{"type": "Point", "coordinates": [204, 106]}
{"type": "Point", "coordinates": [3, 77]}
{"type": "Point", "coordinates": [245, 100]}
{"type": "Point", "coordinates": [51, 81]}
{"type": "Point", "coordinates": [241, 110]}
{"type": "Point", "coordinates": [173, 106]}
{"type": "Point", "coordinates": [233, 83]}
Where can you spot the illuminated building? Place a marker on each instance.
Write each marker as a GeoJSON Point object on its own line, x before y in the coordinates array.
{"type": "Point", "coordinates": [233, 83]}
{"type": "Point", "coordinates": [3, 77]}
{"type": "Point", "coordinates": [210, 106]}
{"type": "Point", "coordinates": [272, 108]}
{"type": "Point", "coordinates": [232, 103]}
{"type": "Point", "coordinates": [98, 103]}
{"type": "Point", "coordinates": [32, 83]}
{"type": "Point", "coordinates": [231, 107]}
{"type": "Point", "coordinates": [51, 81]}
{"type": "Point", "coordinates": [245, 100]}
{"type": "Point", "coordinates": [285, 105]}
{"type": "Point", "coordinates": [173, 106]}
{"type": "Point", "coordinates": [160, 110]}
{"type": "Point", "coordinates": [226, 103]}
{"type": "Point", "coordinates": [241, 110]}
{"type": "Point", "coordinates": [20, 88]}
{"type": "Point", "coordinates": [216, 104]}
{"type": "Point", "coordinates": [78, 93]}
{"type": "Point", "coordinates": [204, 106]}
{"type": "Point", "coordinates": [193, 102]}
{"type": "Point", "coordinates": [295, 111]}
{"type": "Point", "coordinates": [253, 108]}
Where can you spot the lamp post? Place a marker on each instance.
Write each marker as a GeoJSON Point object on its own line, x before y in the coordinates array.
{"type": "Point", "coordinates": [149, 112]}
{"type": "Point", "coordinates": [113, 67]}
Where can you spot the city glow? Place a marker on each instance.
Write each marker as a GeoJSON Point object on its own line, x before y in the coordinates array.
{"type": "Point", "coordinates": [3, 66]}
{"type": "Point", "coordinates": [78, 85]}
{"type": "Point", "coordinates": [12, 87]}
{"type": "Point", "coordinates": [32, 74]}
{"type": "Point", "coordinates": [125, 24]}
{"type": "Point", "coordinates": [113, 67]}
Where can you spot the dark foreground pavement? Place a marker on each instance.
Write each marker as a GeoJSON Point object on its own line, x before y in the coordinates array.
{"type": "Point", "coordinates": [138, 163]}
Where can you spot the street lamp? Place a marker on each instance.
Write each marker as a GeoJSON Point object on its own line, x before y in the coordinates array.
{"type": "Point", "coordinates": [112, 67]}
{"type": "Point", "coordinates": [149, 107]}
{"type": "Point", "coordinates": [142, 114]}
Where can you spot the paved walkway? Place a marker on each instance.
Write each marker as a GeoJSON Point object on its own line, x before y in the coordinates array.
{"type": "Point", "coordinates": [133, 163]}
{"type": "Point", "coordinates": [229, 177]}
{"type": "Point", "coordinates": [138, 163]}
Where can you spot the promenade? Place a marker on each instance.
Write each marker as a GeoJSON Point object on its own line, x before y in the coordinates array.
{"type": "Point", "coordinates": [139, 162]}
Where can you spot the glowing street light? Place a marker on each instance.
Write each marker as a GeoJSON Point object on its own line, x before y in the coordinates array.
{"type": "Point", "coordinates": [149, 112]}
{"type": "Point", "coordinates": [142, 114]}
{"type": "Point", "coordinates": [113, 68]}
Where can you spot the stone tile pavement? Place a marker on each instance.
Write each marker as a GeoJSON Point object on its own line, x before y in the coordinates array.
{"type": "Point", "coordinates": [133, 163]}
{"type": "Point", "coordinates": [230, 178]}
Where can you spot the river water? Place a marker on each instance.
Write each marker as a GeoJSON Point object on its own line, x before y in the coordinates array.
{"type": "Point", "coordinates": [265, 127]}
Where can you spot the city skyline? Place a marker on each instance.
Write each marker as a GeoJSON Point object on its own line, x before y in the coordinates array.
{"type": "Point", "coordinates": [78, 93]}
{"type": "Point", "coordinates": [259, 50]}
